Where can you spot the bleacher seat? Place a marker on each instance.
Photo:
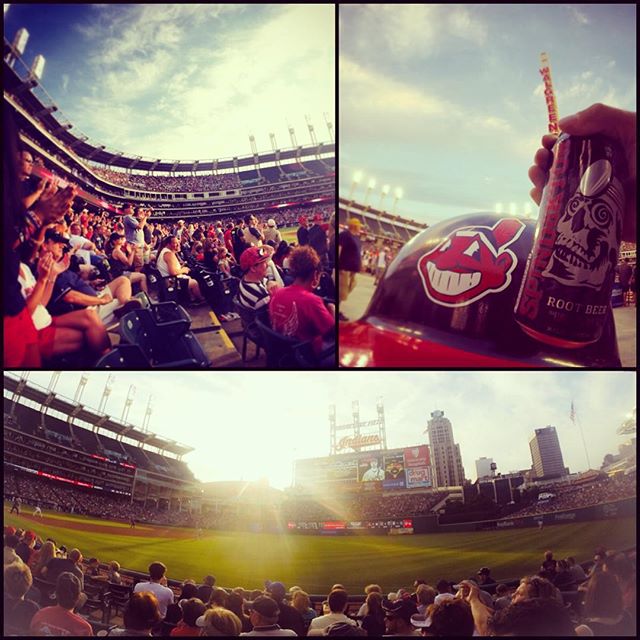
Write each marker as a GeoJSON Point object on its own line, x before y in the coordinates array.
{"type": "Point", "coordinates": [284, 352]}
{"type": "Point", "coordinates": [115, 599]}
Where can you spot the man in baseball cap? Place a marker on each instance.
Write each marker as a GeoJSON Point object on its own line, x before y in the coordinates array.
{"type": "Point", "coordinates": [397, 617]}
{"type": "Point", "coordinates": [264, 618]}
{"type": "Point", "coordinates": [254, 292]}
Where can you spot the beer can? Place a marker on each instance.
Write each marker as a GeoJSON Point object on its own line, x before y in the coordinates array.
{"type": "Point", "coordinates": [565, 293]}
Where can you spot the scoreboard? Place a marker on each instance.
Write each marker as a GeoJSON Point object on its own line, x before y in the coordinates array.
{"type": "Point", "coordinates": [408, 468]}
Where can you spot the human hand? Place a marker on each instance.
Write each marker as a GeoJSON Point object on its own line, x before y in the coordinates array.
{"type": "Point", "coordinates": [53, 203]}
{"type": "Point", "coordinates": [60, 266]}
{"type": "Point", "coordinates": [332, 308]}
{"type": "Point", "coordinates": [598, 118]}
{"type": "Point", "coordinates": [44, 266]}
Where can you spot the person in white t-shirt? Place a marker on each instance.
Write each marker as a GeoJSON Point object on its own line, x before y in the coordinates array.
{"type": "Point", "coordinates": [338, 602]}
{"type": "Point", "coordinates": [158, 586]}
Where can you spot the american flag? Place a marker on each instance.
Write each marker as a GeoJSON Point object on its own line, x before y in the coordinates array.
{"type": "Point", "coordinates": [572, 415]}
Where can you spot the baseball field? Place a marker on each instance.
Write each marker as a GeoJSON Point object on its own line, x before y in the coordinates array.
{"type": "Point", "coordinates": [315, 562]}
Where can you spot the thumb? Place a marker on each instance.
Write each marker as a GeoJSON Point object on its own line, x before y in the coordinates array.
{"type": "Point", "coordinates": [598, 118]}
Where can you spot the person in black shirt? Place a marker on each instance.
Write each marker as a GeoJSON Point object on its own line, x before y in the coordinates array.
{"type": "Point", "coordinates": [303, 232]}
{"type": "Point", "coordinates": [349, 259]}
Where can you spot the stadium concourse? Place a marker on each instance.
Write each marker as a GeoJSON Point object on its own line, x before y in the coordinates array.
{"type": "Point", "coordinates": [127, 262]}
{"type": "Point", "coordinates": [461, 577]}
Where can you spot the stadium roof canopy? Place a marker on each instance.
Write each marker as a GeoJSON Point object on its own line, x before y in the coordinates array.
{"type": "Point", "coordinates": [42, 107]}
{"type": "Point", "coordinates": [70, 407]}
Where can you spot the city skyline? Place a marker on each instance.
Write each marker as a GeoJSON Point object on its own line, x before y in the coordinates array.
{"type": "Point", "coordinates": [252, 425]}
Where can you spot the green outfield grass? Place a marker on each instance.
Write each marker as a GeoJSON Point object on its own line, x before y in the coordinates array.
{"type": "Point", "coordinates": [315, 562]}
{"type": "Point", "coordinates": [289, 234]}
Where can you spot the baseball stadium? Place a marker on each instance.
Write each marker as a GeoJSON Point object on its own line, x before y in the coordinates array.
{"type": "Point", "coordinates": [365, 514]}
{"type": "Point", "coordinates": [190, 308]}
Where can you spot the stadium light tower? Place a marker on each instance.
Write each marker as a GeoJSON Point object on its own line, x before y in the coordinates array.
{"type": "Point", "coordinates": [527, 210]}
{"type": "Point", "coordinates": [355, 181]}
{"type": "Point", "coordinates": [398, 195]}
{"type": "Point", "coordinates": [498, 207]}
{"type": "Point", "coordinates": [19, 44]}
{"type": "Point", "coordinates": [84, 378]}
{"type": "Point", "coordinates": [383, 194]}
{"type": "Point", "coordinates": [371, 185]}
{"type": "Point", "coordinates": [312, 133]}
{"type": "Point", "coordinates": [512, 208]}
{"type": "Point", "coordinates": [106, 393]}
{"type": "Point", "coordinates": [629, 425]}
{"type": "Point", "coordinates": [127, 404]}
{"type": "Point", "coordinates": [329, 126]}
{"type": "Point", "coordinates": [147, 416]}
{"type": "Point", "coordinates": [292, 135]}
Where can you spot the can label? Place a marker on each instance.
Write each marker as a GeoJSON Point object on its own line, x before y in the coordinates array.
{"type": "Point", "coordinates": [566, 290]}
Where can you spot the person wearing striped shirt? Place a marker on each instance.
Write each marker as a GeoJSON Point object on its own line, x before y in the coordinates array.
{"type": "Point", "coordinates": [254, 291]}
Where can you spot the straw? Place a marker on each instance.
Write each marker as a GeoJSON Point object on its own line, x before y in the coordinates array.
{"type": "Point", "coordinates": [549, 95]}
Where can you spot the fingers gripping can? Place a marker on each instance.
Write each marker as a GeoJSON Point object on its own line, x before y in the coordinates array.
{"type": "Point", "coordinates": [566, 289]}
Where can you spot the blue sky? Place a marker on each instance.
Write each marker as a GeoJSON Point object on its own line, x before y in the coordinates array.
{"type": "Point", "coordinates": [248, 425]}
{"type": "Point", "coordinates": [188, 81]}
{"type": "Point", "coordinates": [445, 101]}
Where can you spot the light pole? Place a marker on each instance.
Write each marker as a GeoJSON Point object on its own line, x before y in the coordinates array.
{"type": "Point", "coordinates": [370, 187]}
{"type": "Point", "coordinates": [383, 195]}
{"type": "Point", "coordinates": [398, 195]}
{"type": "Point", "coordinates": [357, 177]}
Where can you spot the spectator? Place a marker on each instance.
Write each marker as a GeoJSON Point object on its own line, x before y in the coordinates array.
{"type": "Point", "coordinates": [113, 574]}
{"type": "Point", "coordinates": [425, 596]}
{"type": "Point", "coordinates": [140, 616]}
{"type": "Point", "coordinates": [535, 587]}
{"type": "Point", "coordinates": [169, 265]}
{"type": "Point", "coordinates": [206, 588]}
{"type": "Point", "coordinates": [302, 604]}
{"type": "Point", "coordinates": [624, 571]}
{"type": "Point", "coordinates": [25, 548]}
{"type": "Point", "coordinates": [18, 611]}
{"type": "Point", "coordinates": [271, 233]}
{"type": "Point", "coordinates": [576, 570]}
{"type": "Point", "coordinates": [133, 229]}
{"type": "Point", "coordinates": [218, 598]}
{"type": "Point", "coordinates": [41, 558]}
{"type": "Point", "coordinates": [122, 255]}
{"type": "Point", "coordinates": [370, 588]}
{"type": "Point", "coordinates": [349, 258]}
{"type": "Point", "coordinates": [71, 564]}
{"type": "Point", "coordinates": [252, 235]}
{"type": "Point", "coordinates": [11, 541]}
{"type": "Point", "coordinates": [303, 231]}
{"type": "Point", "coordinates": [444, 591]}
{"type": "Point", "coordinates": [503, 597]}
{"type": "Point", "coordinates": [603, 608]}
{"type": "Point", "coordinates": [192, 609]}
{"type": "Point", "coordinates": [549, 564]}
{"type": "Point", "coordinates": [254, 292]}
{"type": "Point", "coordinates": [398, 617]}
{"type": "Point", "coordinates": [484, 577]}
{"type": "Point", "coordinates": [289, 618]}
{"type": "Point", "coordinates": [157, 585]}
{"type": "Point", "coordinates": [563, 578]}
{"type": "Point", "coordinates": [343, 629]}
{"type": "Point", "coordinates": [535, 617]}
{"type": "Point", "coordinates": [296, 311]}
{"type": "Point", "coordinates": [338, 601]}
{"type": "Point", "coordinates": [60, 620]}
{"type": "Point", "coordinates": [318, 238]}
{"type": "Point", "coordinates": [235, 603]}
{"type": "Point", "coordinates": [219, 622]}
{"type": "Point", "coordinates": [264, 618]}
{"type": "Point", "coordinates": [374, 620]}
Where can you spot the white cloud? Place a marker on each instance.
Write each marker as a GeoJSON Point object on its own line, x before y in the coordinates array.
{"type": "Point", "coordinates": [198, 74]}
{"type": "Point", "coordinates": [579, 16]}
{"type": "Point", "coordinates": [65, 82]}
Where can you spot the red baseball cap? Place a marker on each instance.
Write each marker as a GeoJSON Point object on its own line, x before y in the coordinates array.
{"type": "Point", "coordinates": [9, 531]}
{"type": "Point", "coordinates": [253, 256]}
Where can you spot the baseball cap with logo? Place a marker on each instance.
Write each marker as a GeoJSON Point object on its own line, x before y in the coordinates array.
{"type": "Point", "coordinates": [252, 256]}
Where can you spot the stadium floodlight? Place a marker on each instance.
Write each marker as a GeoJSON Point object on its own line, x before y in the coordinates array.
{"type": "Point", "coordinates": [21, 39]}
{"type": "Point", "coordinates": [527, 209]}
{"type": "Point", "coordinates": [383, 195]}
{"type": "Point", "coordinates": [512, 208]}
{"type": "Point", "coordinates": [398, 193]}
{"type": "Point", "coordinates": [357, 177]}
{"type": "Point", "coordinates": [37, 67]}
{"type": "Point", "coordinates": [498, 207]}
{"type": "Point", "coordinates": [370, 187]}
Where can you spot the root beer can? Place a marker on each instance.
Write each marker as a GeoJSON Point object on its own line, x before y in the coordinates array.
{"type": "Point", "coordinates": [565, 293]}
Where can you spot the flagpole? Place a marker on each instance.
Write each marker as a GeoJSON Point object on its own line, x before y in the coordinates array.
{"type": "Point", "coordinates": [586, 453]}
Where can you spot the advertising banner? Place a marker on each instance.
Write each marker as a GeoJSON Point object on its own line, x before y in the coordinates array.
{"type": "Point", "coordinates": [394, 473]}
{"type": "Point", "coordinates": [419, 477]}
{"type": "Point", "coordinates": [417, 457]}
{"type": "Point", "coordinates": [370, 469]}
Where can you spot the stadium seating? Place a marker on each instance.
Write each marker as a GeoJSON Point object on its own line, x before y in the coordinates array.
{"type": "Point", "coordinates": [250, 332]}
{"type": "Point", "coordinates": [284, 352]}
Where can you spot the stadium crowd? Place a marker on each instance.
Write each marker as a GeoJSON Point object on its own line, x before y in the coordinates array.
{"type": "Point", "coordinates": [70, 274]}
{"type": "Point", "coordinates": [181, 183]}
{"type": "Point", "coordinates": [51, 591]}
{"type": "Point", "coordinates": [572, 496]}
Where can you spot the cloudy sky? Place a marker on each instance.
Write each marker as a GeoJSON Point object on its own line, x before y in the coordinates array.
{"type": "Point", "coordinates": [188, 81]}
{"type": "Point", "coordinates": [250, 425]}
{"type": "Point", "coordinates": [446, 101]}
